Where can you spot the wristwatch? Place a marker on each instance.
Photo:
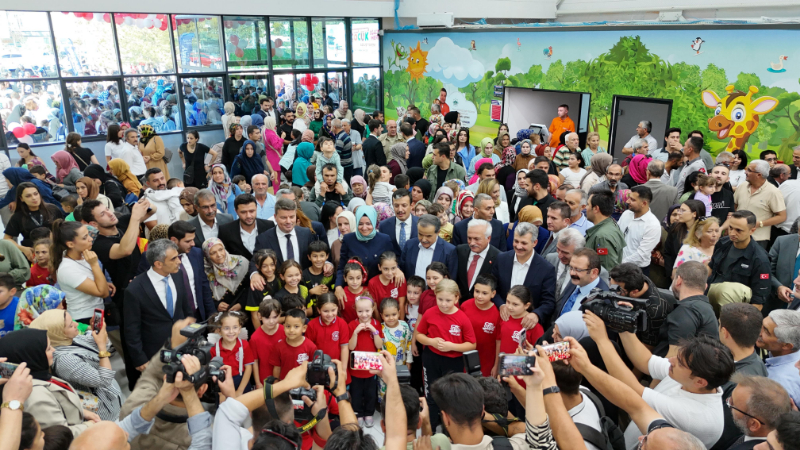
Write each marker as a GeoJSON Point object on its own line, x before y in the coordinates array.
{"type": "Point", "coordinates": [343, 397]}
{"type": "Point", "coordinates": [13, 405]}
{"type": "Point", "coordinates": [104, 354]}
{"type": "Point", "coordinates": [551, 390]}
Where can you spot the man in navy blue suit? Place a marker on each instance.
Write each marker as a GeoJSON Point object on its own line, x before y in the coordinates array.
{"type": "Point", "coordinates": [416, 149]}
{"type": "Point", "coordinates": [428, 247]}
{"type": "Point", "coordinates": [484, 209]}
{"type": "Point", "coordinates": [403, 226]}
{"type": "Point", "coordinates": [584, 273]}
{"type": "Point", "coordinates": [523, 267]}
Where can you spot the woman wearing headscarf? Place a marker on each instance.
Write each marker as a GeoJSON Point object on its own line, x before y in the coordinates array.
{"type": "Point", "coordinates": [597, 174]}
{"type": "Point", "coordinates": [225, 274]}
{"type": "Point", "coordinates": [525, 156]}
{"type": "Point", "coordinates": [88, 190]}
{"type": "Point", "coordinates": [273, 146]}
{"type": "Point", "coordinates": [637, 171]}
{"type": "Point", "coordinates": [67, 171]}
{"type": "Point", "coordinates": [52, 401]}
{"type": "Point", "coordinates": [316, 123]}
{"type": "Point", "coordinates": [518, 193]}
{"type": "Point", "coordinates": [326, 127]}
{"type": "Point", "coordinates": [187, 202]}
{"type": "Point", "coordinates": [486, 151]}
{"type": "Point", "coordinates": [245, 122]}
{"type": "Point", "coordinates": [152, 147]}
{"type": "Point", "coordinates": [345, 223]}
{"type": "Point", "coordinates": [354, 204]}
{"type": "Point", "coordinates": [228, 118]}
{"type": "Point", "coordinates": [122, 171]}
{"type": "Point", "coordinates": [504, 150]}
{"type": "Point", "coordinates": [421, 190]}
{"type": "Point", "coordinates": [531, 214]}
{"type": "Point", "coordinates": [83, 360]}
{"type": "Point", "coordinates": [302, 119]}
{"type": "Point", "coordinates": [415, 174]}
{"type": "Point", "coordinates": [109, 186]}
{"type": "Point", "coordinates": [384, 210]}
{"type": "Point", "coordinates": [570, 324]}
{"type": "Point", "coordinates": [248, 162]}
{"type": "Point", "coordinates": [366, 243]}
{"type": "Point", "coordinates": [399, 160]}
{"type": "Point", "coordinates": [464, 208]}
{"type": "Point", "coordinates": [359, 124]}
{"type": "Point", "coordinates": [224, 191]}
{"type": "Point", "coordinates": [299, 170]}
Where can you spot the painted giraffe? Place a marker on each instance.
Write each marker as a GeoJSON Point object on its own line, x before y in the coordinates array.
{"type": "Point", "coordinates": [737, 114]}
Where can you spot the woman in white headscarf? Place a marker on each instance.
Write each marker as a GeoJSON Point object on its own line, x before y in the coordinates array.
{"type": "Point", "coordinates": [359, 124]}
{"type": "Point", "coordinates": [346, 223]}
{"type": "Point", "coordinates": [228, 118]}
{"type": "Point", "coordinates": [302, 118]}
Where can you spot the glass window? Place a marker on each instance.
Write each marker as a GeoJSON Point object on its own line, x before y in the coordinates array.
{"type": "Point", "coordinates": [366, 89]}
{"type": "Point", "coordinates": [289, 43]}
{"type": "Point", "coordinates": [32, 112]}
{"type": "Point", "coordinates": [285, 94]}
{"type": "Point", "coordinates": [95, 105]}
{"type": "Point", "coordinates": [337, 87]}
{"type": "Point", "coordinates": [197, 43]}
{"type": "Point", "coordinates": [330, 48]}
{"type": "Point", "coordinates": [308, 85]}
{"type": "Point", "coordinates": [144, 43]}
{"type": "Point", "coordinates": [245, 90]}
{"type": "Point", "coordinates": [26, 50]}
{"type": "Point", "coordinates": [85, 44]}
{"type": "Point", "coordinates": [246, 43]}
{"type": "Point", "coordinates": [365, 42]}
{"type": "Point", "coordinates": [202, 101]}
{"type": "Point", "coordinates": [145, 94]}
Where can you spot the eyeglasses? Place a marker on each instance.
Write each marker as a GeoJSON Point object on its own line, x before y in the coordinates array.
{"type": "Point", "coordinates": [643, 442]}
{"type": "Point", "coordinates": [575, 269]}
{"type": "Point", "coordinates": [728, 403]}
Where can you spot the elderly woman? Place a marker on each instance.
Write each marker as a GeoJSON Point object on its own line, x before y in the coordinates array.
{"type": "Point", "coordinates": [398, 164]}
{"type": "Point", "coordinates": [224, 190]}
{"type": "Point", "coordinates": [53, 401]}
{"type": "Point", "coordinates": [597, 174]}
{"type": "Point", "coordinates": [637, 171]}
{"type": "Point", "coordinates": [225, 274]}
{"type": "Point", "coordinates": [82, 360]}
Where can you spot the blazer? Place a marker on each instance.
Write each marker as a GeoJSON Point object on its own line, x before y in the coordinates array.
{"type": "Point", "coordinates": [551, 246]}
{"type": "Point", "coordinates": [54, 405]}
{"type": "Point", "coordinates": [541, 280]}
{"type": "Point", "coordinates": [498, 234]}
{"type": "Point", "coordinates": [782, 257]}
{"type": "Point", "coordinates": [320, 234]}
{"type": "Point", "coordinates": [462, 254]}
{"type": "Point", "coordinates": [748, 445]}
{"type": "Point", "coordinates": [387, 227]}
{"type": "Point", "coordinates": [222, 219]}
{"type": "Point", "coordinates": [793, 172]}
{"type": "Point", "coordinates": [147, 323]}
{"type": "Point", "coordinates": [230, 235]}
{"type": "Point", "coordinates": [568, 293]}
{"type": "Point", "coordinates": [269, 239]}
{"type": "Point", "coordinates": [369, 252]}
{"type": "Point", "coordinates": [416, 150]}
{"type": "Point", "coordinates": [664, 196]}
{"type": "Point", "coordinates": [373, 151]}
{"type": "Point", "coordinates": [552, 258]}
{"type": "Point", "coordinates": [444, 252]}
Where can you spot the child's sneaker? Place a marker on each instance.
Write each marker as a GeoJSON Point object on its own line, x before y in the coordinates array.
{"type": "Point", "coordinates": [361, 422]}
{"type": "Point", "coordinates": [369, 421]}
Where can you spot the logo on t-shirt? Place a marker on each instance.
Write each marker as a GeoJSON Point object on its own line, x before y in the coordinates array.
{"type": "Point", "coordinates": [335, 336]}
{"type": "Point", "coordinates": [302, 357]}
{"type": "Point", "coordinates": [455, 330]}
{"type": "Point", "coordinates": [488, 328]}
{"type": "Point", "coordinates": [394, 293]}
{"type": "Point", "coordinates": [517, 336]}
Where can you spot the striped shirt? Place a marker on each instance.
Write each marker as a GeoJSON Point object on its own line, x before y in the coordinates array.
{"type": "Point", "coordinates": [345, 149]}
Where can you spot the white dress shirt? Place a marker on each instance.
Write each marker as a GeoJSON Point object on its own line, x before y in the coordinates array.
{"type": "Point", "coordinates": [424, 259]}
{"type": "Point", "coordinates": [161, 289]}
{"type": "Point", "coordinates": [209, 232]}
{"type": "Point", "coordinates": [282, 243]}
{"type": "Point", "coordinates": [187, 266]}
{"type": "Point", "coordinates": [408, 223]}
{"type": "Point", "coordinates": [249, 238]}
{"type": "Point", "coordinates": [520, 270]}
{"type": "Point", "coordinates": [481, 259]}
{"type": "Point", "coordinates": [642, 234]}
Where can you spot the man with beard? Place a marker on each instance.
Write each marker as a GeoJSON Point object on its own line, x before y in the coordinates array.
{"type": "Point", "coordinates": [722, 198]}
{"type": "Point", "coordinates": [605, 236]}
{"type": "Point", "coordinates": [390, 138]}
{"type": "Point", "coordinates": [640, 227]}
{"type": "Point", "coordinates": [166, 201]}
{"type": "Point", "coordinates": [613, 184]}
{"type": "Point", "coordinates": [239, 236]}
{"type": "Point", "coordinates": [756, 405]}
{"type": "Point", "coordinates": [285, 129]}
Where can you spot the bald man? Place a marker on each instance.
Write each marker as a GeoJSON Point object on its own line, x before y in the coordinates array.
{"type": "Point", "coordinates": [390, 138]}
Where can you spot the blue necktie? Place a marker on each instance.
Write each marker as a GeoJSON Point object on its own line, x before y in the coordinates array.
{"type": "Point", "coordinates": [570, 301]}
{"type": "Point", "coordinates": [403, 236]}
{"type": "Point", "coordinates": [170, 306]}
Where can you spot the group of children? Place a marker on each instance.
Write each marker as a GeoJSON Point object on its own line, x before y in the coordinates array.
{"type": "Point", "coordinates": [421, 322]}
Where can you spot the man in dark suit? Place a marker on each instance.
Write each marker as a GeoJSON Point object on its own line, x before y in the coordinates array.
{"type": "Point", "coordinates": [207, 221]}
{"type": "Point", "coordinates": [416, 149]}
{"type": "Point", "coordinates": [584, 273]}
{"type": "Point", "coordinates": [785, 266]}
{"type": "Point", "coordinates": [403, 226]}
{"type": "Point", "coordinates": [484, 209]}
{"type": "Point", "coordinates": [428, 247]}
{"type": "Point", "coordinates": [558, 219]}
{"type": "Point", "coordinates": [795, 163]}
{"type": "Point", "coordinates": [372, 146]}
{"type": "Point", "coordinates": [475, 258]}
{"type": "Point", "coordinates": [522, 266]}
{"type": "Point", "coordinates": [154, 301]}
{"type": "Point", "coordinates": [240, 235]}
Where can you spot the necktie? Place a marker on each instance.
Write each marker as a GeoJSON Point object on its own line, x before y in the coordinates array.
{"type": "Point", "coordinates": [570, 301]}
{"type": "Point", "coordinates": [471, 271]}
{"type": "Point", "coordinates": [561, 279]}
{"type": "Point", "coordinates": [188, 287]}
{"type": "Point", "coordinates": [289, 247]}
{"type": "Point", "coordinates": [549, 241]}
{"type": "Point", "coordinates": [402, 235]}
{"type": "Point", "coordinates": [796, 266]}
{"type": "Point", "coordinates": [170, 306]}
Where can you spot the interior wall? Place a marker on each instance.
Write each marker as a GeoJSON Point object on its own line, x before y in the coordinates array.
{"type": "Point", "coordinates": [522, 107]}
{"type": "Point", "coordinates": [630, 113]}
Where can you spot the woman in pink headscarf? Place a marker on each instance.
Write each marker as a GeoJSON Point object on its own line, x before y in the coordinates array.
{"type": "Point", "coordinates": [637, 170]}
{"type": "Point", "coordinates": [67, 170]}
{"type": "Point", "coordinates": [478, 164]}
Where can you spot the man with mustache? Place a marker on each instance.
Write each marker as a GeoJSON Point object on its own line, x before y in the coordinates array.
{"type": "Point", "coordinates": [584, 273]}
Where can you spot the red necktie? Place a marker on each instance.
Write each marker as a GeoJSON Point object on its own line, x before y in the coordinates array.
{"type": "Point", "coordinates": [472, 266]}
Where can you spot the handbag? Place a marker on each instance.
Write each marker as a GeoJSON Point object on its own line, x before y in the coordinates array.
{"type": "Point", "coordinates": [167, 155]}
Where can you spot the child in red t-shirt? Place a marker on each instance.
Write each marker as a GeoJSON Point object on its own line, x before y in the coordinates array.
{"type": "Point", "coordinates": [446, 333]}
{"type": "Point", "coordinates": [295, 349]}
{"type": "Point", "coordinates": [434, 274]}
{"type": "Point", "coordinates": [234, 351]}
{"type": "Point", "coordinates": [265, 338]}
{"type": "Point", "coordinates": [355, 276]}
{"type": "Point", "coordinates": [366, 335]}
{"type": "Point", "coordinates": [382, 286]}
{"type": "Point", "coordinates": [485, 319]}
{"type": "Point", "coordinates": [329, 333]}
{"type": "Point", "coordinates": [40, 274]}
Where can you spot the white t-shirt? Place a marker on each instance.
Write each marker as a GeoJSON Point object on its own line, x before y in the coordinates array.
{"type": "Point", "coordinates": [115, 150]}
{"type": "Point", "coordinates": [70, 275]}
{"type": "Point", "coordinates": [573, 178]}
{"type": "Point", "coordinates": [586, 413]}
{"type": "Point", "coordinates": [697, 414]}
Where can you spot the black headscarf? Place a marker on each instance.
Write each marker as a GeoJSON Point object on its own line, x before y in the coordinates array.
{"type": "Point", "coordinates": [30, 346]}
{"type": "Point", "coordinates": [414, 174]}
{"type": "Point", "coordinates": [425, 186]}
{"type": "Point", "coordinates": [96, 172]}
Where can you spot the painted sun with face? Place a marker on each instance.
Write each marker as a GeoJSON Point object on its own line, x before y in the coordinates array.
{"type": "Point", "coordinates": [417, 62]}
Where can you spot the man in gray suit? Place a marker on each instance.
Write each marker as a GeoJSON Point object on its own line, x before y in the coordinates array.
{"type": "Point", "coordinates": [558, 219]}
{"type": "Point", "coordinates": [569, 240]}
{"type": "Point", "coordinates": [208, 220]}
{"type": "Point", "coordinates": [785, 266]}
{"type": "Point", "coordinates": [664, 195]}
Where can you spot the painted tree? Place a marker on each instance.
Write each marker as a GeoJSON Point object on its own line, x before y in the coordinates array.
{"type": "Point", "coordinates": [503, 65]}
{"type": "Point", "coordinates": [714, 78]}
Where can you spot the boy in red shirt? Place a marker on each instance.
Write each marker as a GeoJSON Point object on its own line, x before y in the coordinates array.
{"type": "Point", "coordinates": [485, 319]}
{"type": "Point", "coordinates": [295, 349]}
{"type": "Point", "coordinates": [40, 274]}
{"type": "Point", "coordinates": [265, 339]}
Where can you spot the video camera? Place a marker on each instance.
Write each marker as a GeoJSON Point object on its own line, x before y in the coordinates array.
{"type": "Point", "coordinates": [619, 318]}
{"type": "Point", "coordinates": [195, 345]}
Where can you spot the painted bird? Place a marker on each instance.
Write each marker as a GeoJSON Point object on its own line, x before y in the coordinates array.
{"type": "Point", "coordinates": [696, 44]}
{"type": "Point", "coordinates": [548, 52]}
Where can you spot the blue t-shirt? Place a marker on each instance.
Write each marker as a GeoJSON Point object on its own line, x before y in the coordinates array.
{"type": "Point", "coordinates": [7, 317]}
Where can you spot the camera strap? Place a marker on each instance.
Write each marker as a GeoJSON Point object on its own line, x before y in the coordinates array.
{"type": "Point", "coordinates": [268, 397]}
{"type": "Point", "coordinates": [313, 422]}
{"type": "Point", "coordinates": [239, 355]}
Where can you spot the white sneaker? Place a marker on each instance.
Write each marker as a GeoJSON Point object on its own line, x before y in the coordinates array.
{"type": "Point", "coordinates": [369, 421]}
{"type": "Point", "coordinates": [361, 422]}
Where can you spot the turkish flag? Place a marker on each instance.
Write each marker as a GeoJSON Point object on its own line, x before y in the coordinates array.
{"type": "Point", "coordinates": [765, 276]}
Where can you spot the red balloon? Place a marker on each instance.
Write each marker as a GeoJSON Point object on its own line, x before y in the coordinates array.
{"type": "Point", "coordinates": [88, 16]}
{"type": "Point", "coordinates": [314, 79]}
{"type": "Point", "coordinates": [18, 132]}
{"type": "Point", "coordinates": [234, 39]}
{"type": "Point", "coordinates": [163, 26]}
{"type": "Point", "coordinates": [29, 128]}
{"type": "Point", "coordinates": [141, 16]}
{"type": "Point", "coordinates": [118, 19]}
{"type": "Point", "coordinates": [78, 15]}
{"type": "Point", "coordinates": [107, 17]}
{"type": "Point", "coordinates": [65, 12]}
{"type": "Point", "coordinates": [239, 52]}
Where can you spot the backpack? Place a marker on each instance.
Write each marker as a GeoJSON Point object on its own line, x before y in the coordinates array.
{"type": "Point", "coordinates": [611, 438]}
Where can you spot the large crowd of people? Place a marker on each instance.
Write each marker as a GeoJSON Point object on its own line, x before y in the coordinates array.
{"type": "Point", "coordinates": [322, 266]}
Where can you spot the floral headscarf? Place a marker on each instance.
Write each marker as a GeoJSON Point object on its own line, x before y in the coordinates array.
{"type": "Point", "coordinates": [384, 210]}
{"type": "Point", "coordinates": [225, 277]}
{"type": "Point", "coordinates": [370, 213]}
{"type": "Point", "coordinates": [222, 190]}
{"type": "Point", "coordinates": [463, 197]}
{"type": "Point", "coordinates": [146, 132]}
{"type": "Point", "coordinates": [520, 191]}
{"type": "Point", "coordinates": [35, 301]}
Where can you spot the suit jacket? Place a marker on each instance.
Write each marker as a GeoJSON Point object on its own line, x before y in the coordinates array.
{"type": "Point", "coordinates": [269, 239]}
{"type": "Point", "coordinates": [388, 227]}
{"type": "Point", "coordinates": [147, 323]}
{"type": "Point", "coordinates": [311, 210]}
{"type": "Point", "coordinates": [320, 234]}
{"type": "Point", "coordinates": [550, 247]}
{"type": "Point", "coordinates": [748, 445]}
{"type": "Point", "coordinates": [54, 405]}
{"type": "Point", "coordinates": [222, 219]}
{"type": "Point", "coordinates": [567, 294]}
{"type": "Point", "coordinates": [664, 196]}
{"type": "Point", "coordinates": [373, 151]}
{"type": "Point", "coordinates": [782, 256]}
{"type": "Point", "coordinates": [552, 258]}
{"type": "Point", "coordinates": [444, 252]}
{"type": "Point", "coordinates": [369, 252]}
{"type": "Point", "coordinates": [230, 235]}
{"type": "Point", "coordinates": [541, 280]}
{"type": "Point", "coordinates": [416, 150]}
{"type": "Point", "coordinates": [498, 234]}
{"type": "Point", "coordinates": [793, 172]}
{"type": "Point", "coordinates": [463, 252]}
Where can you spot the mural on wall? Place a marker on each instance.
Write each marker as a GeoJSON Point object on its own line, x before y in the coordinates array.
{"type": "Point", "coordinates": [739, 86]}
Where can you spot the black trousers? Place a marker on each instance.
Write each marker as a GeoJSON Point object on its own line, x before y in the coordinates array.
{"type": "Point", "coordinates": [436, 366]}
{"type": "Point", "coordinates": [364, 393]}
{"type": "Point", "coordinates": [416, 371]}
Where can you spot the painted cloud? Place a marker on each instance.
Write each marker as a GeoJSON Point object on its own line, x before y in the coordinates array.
{"type": "Point", "coordinates": [453, 64]}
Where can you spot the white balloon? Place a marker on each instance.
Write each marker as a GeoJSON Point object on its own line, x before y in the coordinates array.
{"type": "Point", "coordinates": [128, 21]}
{"type": "Point", "coordinates": [151, 16]}
{"type": "Point", "coordinates": [156, 23]}
{"type": "Point", "coordinates": [148, 22]}
{"type": "Point", "coordinates": [242, 42]}
{"type": "Point", "coordinates": [230, 48]}
{"type": "Point", "coordinates": [140, 23]}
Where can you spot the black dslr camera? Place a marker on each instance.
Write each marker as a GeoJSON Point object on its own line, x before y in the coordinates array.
{"type": "Point", "coordinates": [197, 346]}
{"type": "Point", "coordinates": [619, 318]}
{"type": "Point", "coordinates": [302, 412]}
{"type": "Point", "coordinates": [317, 374]}
{"type": "Point", "coordinates": [472, 363]}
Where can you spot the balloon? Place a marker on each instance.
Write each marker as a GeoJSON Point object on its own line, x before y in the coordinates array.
{"type": "Point", "coordinates": [129, 21]}
{"type": "Point", "coordinates": [234, 40]}
{"type": "Point", "coordinates": [148, 23]}
{"type": "Point", "coordinates": [239, 52]}
{"type": "Point", "coordinates": [227, 24]}
{"type": "Point", "coordinates": [243, 42]}
{"type": "Point", "coordinates": [29, 128]}
{"type": "Point", "coordinates": [161, 16]}
{"type": "Point", "coordinates": [278, 42]}
{"type": "Point", "coordinates": [140, 23]}
{"type": "Point", "coordinates": [88, 16]}
{"type": "Point", "coordinates": [230, 48]}
{"type": "Point", "coordinates": [163, 26]}
{"type": "Point", "coordinates": [156, 24]}
{"type": "Point", "coordinates": [19, 132]}
{"type": "Point", "coordinates": [118, 19]}
{"type": "Point", "coordinates": [151, 16]}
